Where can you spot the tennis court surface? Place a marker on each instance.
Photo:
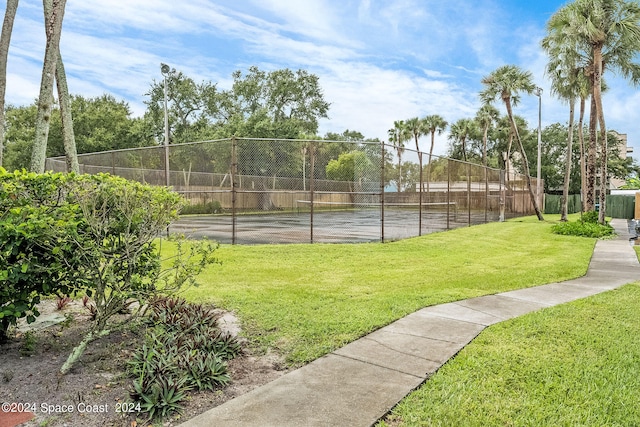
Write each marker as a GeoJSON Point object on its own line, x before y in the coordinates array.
{"type": "Point", "coordinates": [346, 226]}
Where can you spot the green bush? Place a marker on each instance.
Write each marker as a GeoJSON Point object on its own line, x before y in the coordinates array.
{"type": "Point", "coordinates": [123, 220]}
{"type": "Point", "coordinates": [212, 207]}
{"type": "Point", "coordinates": [587, 226]}
{"type": "Point", "coordinates": [590, 217]}
{"type": "Point", "coordinates": [184, 350]}
{"type": "Point", "coordinates": [39, 228]}
{"type": "Point", "coordinates": [64, 233]}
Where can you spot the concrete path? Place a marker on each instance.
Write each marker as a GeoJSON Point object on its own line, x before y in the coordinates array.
{"type": "Point", "coordinates": [360, 382]}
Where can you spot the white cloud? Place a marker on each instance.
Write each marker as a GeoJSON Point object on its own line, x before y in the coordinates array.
{"type": "Point", "coordinates": [377, 61]}
{"type": "Point", "coordinates": [314, 19]}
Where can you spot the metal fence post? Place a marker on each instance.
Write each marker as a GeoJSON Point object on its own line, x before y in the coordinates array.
{"type": "Point", "coordinates": [486, 193]}
{"type": "Point", "coordinates": [502, 195]}
{"type": "Point", "coordinates": [382, 153]}
{"type": "Point", "coordinates": [468, 194]}
{"type": "Point", "coordinates": [448, 192]}
{"type": "Point", "coordinates": [420, 196]}
{"type": "Point", "coordinates": [312, 187]}
{"type": "Point", "coordinates": [234, 171]}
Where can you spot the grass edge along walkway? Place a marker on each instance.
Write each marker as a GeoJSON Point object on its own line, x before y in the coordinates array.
{"type": "Point", "coordinates": [572, 364]}
{"type": "Point", "coordinates": [360, 382]}
{"type": "Point", "coordinates": [304, 301]}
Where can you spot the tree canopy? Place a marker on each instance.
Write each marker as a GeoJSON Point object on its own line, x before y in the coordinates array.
{"type": "Point", "coordinates": [259, 104]}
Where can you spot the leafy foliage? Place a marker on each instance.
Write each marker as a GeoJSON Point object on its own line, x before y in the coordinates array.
{"type": "Point", "coordinates": [276, 104]}
{"type": "Point", "coordinates": [38, 256]}
{"type": "Point", "coordinates": [632, 183]}
{"type": "Point", "coordinates": [348, 167]}
{"type": "Point", "coordinates": [99, 124]}
{"type": "Point", "coordinates": [587, 226]}
{"type": "Point", "coordinates": [93, 233]}
{"type": "Point", "coordinates": [212, 207]}
{"type": "Point", "coordinates": [123, 219]}
{"type": "Point", "coordinates": [184, 350]}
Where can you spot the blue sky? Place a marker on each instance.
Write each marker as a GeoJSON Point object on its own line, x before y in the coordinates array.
{"type": "Point", "coordinates": [377, 60]}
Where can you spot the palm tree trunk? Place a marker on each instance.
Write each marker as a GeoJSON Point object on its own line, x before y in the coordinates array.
{"type": "Point", "coordinates": [583, 165]}
{"type": "Point", "coordinates": [68, 137]}
{"type": "Point", "coordinates": [429, 166]}
{"type": "Point", "coordinates": [506, 164]}
{"type": "Point", "coordinates": [5, 38]}
{"type": "Point", "coordinates": [45, 97]}
{"type": "Point", "coordinates": [525, 162]}
{"type": "Point", "coordinates": [590, 196]}
{"type": "Point", "coordinates": [399, 170]}
{"type": "Point", "coordinates": [486, 178]}
{"type": "Point", "coordinates": [464, 149]}
{"type": "Point", "coordinates": [597, 96]}
{"type": "Point", "coordinates": [484, 146]}
{"type": "Point", "coordinates": [567, 170]}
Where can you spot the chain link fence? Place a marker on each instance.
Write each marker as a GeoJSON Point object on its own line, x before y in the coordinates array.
{"type": "Point", "coordinates": [251, 191]}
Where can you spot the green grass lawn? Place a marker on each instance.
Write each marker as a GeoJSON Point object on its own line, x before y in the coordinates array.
{"type": "Point", "coordinates": [575, 364]}
{"type": "Point", "coordinates": [304, 301]}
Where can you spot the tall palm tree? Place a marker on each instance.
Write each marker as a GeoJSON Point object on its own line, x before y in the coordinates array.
{"type": "Point", "coordinates": [460, 132]}
{"type": "Point", "coordinates": [5, 38]}
{"type": "Point", "coordinates": [607, 32]}
{"type": "Point", "coordinates": [433, 124]}
{"type": "Point", "coordinates": [566, 68]}
{"type": "Point", "coordinates": [486, 116]}
{"type": "Point", "coordinates": [507, 82]}
{"type": "Point", "coordinates": [415, 127]}
{"type": "Point", "coordinates": [398, 135]}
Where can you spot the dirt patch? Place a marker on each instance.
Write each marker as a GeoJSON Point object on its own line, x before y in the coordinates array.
{"type": "Point", "coordinates": [96, 390]}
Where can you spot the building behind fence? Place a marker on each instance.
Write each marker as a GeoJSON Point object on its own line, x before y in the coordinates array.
{"type": "Point", "coordinates": [287, 191]}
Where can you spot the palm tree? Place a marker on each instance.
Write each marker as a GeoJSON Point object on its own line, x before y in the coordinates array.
{"type": "Point", "coordinates": [397, 136]}
{"type": "Point", "coordinates": [415, 127]}
{"type": "Point", "coordinates": [607, 32]}
{"type": "Point", "coordinates": [433, 123]}
{"type": "Point", "coordinates": [566, 68]}
{"type": "Point", "coordinates": [5, 38]}
{"type": "Point", "coordinates": [506, 82]}
{"type": "Point", "coordinates": [486, 117]}
{"type": "Point", "coordinates": [460, 132]}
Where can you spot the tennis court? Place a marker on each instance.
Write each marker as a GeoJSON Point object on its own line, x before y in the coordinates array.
{"type": "Point", "coordinates": [253, 191]}
{"type": "Point", "coordinates": [336, 226]}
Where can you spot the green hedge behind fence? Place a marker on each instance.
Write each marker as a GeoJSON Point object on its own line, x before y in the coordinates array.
{"type": "Point", "coordinates": [618, 206]}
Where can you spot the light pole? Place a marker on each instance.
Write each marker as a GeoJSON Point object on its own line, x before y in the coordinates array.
{"type": "Point", "coordinates": [165, 70]}
{"type": "Point", "coordinates": [538, 93]}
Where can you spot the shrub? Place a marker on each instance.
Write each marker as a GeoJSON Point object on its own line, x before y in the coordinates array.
{"type": "Point", "coordinates": [38, 256]}
{"type": "Point", "coordinates": [184, 350]}
{"type": "Point", "coordinates": [123, 219]}
{"type": "Point", "coordinates": [212, 207]}
{"type": "Point", "coordinates": [590, 217]}
{"type": "Point", "coordinates": [587, 226]}
{"type": "Point", "coordinates": [68, 233]}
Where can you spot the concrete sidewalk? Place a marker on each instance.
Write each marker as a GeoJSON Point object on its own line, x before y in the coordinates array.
{"type": "Point", "coordinates": [360, 382]}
